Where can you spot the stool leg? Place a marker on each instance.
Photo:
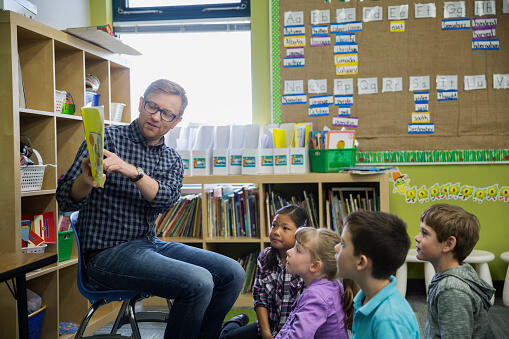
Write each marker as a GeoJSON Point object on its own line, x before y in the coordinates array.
{"type": "Point", "coordinates": [429, 272]}
{"type": "Point", "coordinates": [505, 295]}
{"type": "Point", "coordinates": [484, 273]}
{"type": "Point", "coordinates": [401, 279]}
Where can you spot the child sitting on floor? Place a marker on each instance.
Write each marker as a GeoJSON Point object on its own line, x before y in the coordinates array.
{"type": "Point", "coordinates": [319, 311]}
{"type": "Point", "coordinates": [458, 300]}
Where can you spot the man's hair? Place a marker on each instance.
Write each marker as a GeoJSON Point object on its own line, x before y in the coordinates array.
{"type": "Point", "coordinates": [380, 236]}
{"type": "Point", "coordinates": [167, 87]}
{"type": "Point", "coordinates": [450, 220]}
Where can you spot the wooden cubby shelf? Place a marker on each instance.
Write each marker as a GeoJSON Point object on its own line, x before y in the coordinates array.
{"type": "Point", "coordinates": [40, 60]}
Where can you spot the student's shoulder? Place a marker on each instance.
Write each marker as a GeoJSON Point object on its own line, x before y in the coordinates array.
{"type": "Point", "coordinates": [395, 308]}
{"type": "Point", "coordinates": [452, 285]}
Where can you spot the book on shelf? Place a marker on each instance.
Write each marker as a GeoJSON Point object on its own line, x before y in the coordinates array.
{"type": "Point", "coordinates": [183, 219]}
{"type": "Point", "coordinates": [345, 200]}
{"type": "Point", "coordinates": [248, 262]}
{"type": "Point", "coordinates": [233, 213]}
{"type": "Point", "coordinates": [276, 200]}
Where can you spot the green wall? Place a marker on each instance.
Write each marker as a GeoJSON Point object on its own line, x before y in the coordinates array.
{"type": "Point", "coordinates": [101, 12]}
{"type": "Point", "coordinates": [493, 216]}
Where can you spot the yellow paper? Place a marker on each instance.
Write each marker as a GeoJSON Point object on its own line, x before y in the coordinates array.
{"type": "Point", "coordinates": [279, 138]}
{"type": "Point", "coordinates": [93, 121]}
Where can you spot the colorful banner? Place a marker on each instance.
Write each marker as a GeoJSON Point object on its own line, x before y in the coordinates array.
{"type": "Point", "coordinates": [452, 156]}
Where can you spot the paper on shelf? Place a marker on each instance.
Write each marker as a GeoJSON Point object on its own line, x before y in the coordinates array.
{"type": "Point", "coordinates": [204, 138]}
{"type": "Point", "coordinates": [221, 137]}
{"type": "Point", "coordinates": [252, 136]}
{"type": "Point", "coordinates": [237, 136]}
{"type": "Point", "coordinates": [170, 139]}
{"type": "Point", "coordinates": [93, 121]}
{"type": "Point", "coordinates": [102, 39]}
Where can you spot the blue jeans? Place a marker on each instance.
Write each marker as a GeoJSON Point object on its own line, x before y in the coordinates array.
{"type": "Point", "coordinates": [203, 284]}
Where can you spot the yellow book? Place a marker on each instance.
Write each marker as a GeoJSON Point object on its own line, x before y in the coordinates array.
{"type": "Point", "coordinates": [93, 121]}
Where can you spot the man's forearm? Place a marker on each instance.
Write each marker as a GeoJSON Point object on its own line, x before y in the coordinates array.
{"type": "Point", "coordinates": [79, 189]}
{"type": "Point", "coordinates": [148, 187]}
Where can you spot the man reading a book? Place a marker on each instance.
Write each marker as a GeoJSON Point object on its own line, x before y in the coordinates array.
{"type": "Point", "coordinates": [116, 224]}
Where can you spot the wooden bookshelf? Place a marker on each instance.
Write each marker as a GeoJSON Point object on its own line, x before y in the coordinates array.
{"type": "Point", "coordinates": [50, 60]}
{"type": "Point", "coordinates": [317, 183]}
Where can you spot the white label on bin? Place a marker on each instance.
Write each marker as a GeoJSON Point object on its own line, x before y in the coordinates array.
{"type": "Point", "coordinates": [199, 162]}
{"type": "Point", "coordinates": [297, 159]}
{"type": "Point", "coordinates": [267, 160]}
{"type": "Point", "coordinates": [248, 162]}
{"type": "Point", "coordinates": [235, 160]}
{"type": "Point", "coordinates": [281, 160]}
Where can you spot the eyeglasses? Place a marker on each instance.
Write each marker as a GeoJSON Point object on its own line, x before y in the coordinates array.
{"type": "Point", "coordinates": [153, 108]}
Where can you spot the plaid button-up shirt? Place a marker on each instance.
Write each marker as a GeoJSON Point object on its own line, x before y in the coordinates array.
{"type": "Point", "coordinates": [276, 290]}
{"type": "Point", "coordinates": [118, 212]}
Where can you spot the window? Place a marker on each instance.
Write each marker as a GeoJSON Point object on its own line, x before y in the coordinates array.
{"type": "Point", "coordinates": [156, 10]}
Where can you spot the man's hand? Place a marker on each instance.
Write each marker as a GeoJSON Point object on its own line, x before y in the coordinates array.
{"type": "Point", "coordinates": [86, 173]}
{"type": "Point", "coordinates": [113, 163]}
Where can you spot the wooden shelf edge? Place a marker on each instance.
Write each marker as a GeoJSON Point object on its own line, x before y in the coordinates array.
{"type": "Point", "coordinates": [68, 116]}
{"type": "Point", "coordinates": [232, 240]}
{"type": "Point", "coordinates": [36, 112]}
{"type": "Point", "coordinates": [40, 192]}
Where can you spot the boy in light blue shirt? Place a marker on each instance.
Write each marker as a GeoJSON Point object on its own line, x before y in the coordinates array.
{"type": "Point", "coordinates": [373, 246]}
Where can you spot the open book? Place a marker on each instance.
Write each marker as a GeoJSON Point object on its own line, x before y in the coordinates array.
{"type": "Point", "coordinates": [93, 121]}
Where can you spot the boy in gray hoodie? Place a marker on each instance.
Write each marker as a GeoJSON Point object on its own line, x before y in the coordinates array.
{"type": "Point", "coordinates": [458, 300]}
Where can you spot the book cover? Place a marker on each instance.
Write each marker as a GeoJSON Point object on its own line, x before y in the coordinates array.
{"type": "Point", "coordinates": [49, 227]}
{"type": "Point", "coordinates": [93, 121]}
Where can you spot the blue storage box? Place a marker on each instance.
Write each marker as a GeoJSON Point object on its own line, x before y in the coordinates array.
{"type": "Point", "coordinates": [35, 323]}
{"type": "Point", "coordinates": [92, 98]}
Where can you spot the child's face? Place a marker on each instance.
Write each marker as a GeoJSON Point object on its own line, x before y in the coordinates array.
{"type": "Point", "coordinates": [298, 260]}
{"type": "Point", "coordinates": [345, 257]}
{"type": "Point", "coordinates": [282, 233]}
{"type": "Point", "coordinates": [427, 244]}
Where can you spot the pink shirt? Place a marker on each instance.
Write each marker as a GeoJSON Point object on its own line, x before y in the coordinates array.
{"type": "Point", "coordinates": [317, 313]}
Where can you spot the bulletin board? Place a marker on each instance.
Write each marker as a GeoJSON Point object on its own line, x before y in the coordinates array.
{"type": "Point", "coordinates": [478, 119]}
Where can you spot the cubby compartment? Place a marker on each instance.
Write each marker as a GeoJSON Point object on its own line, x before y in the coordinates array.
{"type": "Point", "coordinates": [121, 90]}
{"type": "Point", "coordinates": [46, 287]}
{"type": "Point", "coordinates": [70, 73]}
{"type": "Point", "coordinates": [38, 204]}
{"type": "Point", "coordinates": [279, 195]}
{"type": "Point", "coordinates": [72, 305]}
{"type": "Point", "coordinates": [70, 135]}
{"type": "Point", "coordinates": [41, 131]}
{"type": "Point", "coordinates": [36, 59]}
{"type": "Point", "coordinates": [99, 67]}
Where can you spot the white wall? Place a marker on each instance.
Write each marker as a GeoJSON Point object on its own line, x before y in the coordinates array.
{"type": "Point", "coordinates": [62, 14]}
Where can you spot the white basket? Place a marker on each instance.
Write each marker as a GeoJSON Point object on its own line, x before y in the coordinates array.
{"type": "Point", "coordinates": [60, 97]}
{"type": "Point", "coordinates": [36, 249]}
{"type": "Point", "coordinates": [32, 175]}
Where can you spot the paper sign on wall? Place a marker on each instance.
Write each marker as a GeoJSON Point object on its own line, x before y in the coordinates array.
{"type": "Point", "coordinates": [428, 10]}
{"type": "Point", "coordinates": [294, 41]}
{"type": "Point", "coordinates": [320, 30]}
{"type": "Point", "coordinates": [295, 30]}
{"type": "Point", "coordinates": [347, 58]}
{"type": "Point", "coordinates": [295, 52]}
{"type": "Point", "coordinates": [452, 24]}
{"type": "Point", "coordinates": [317, 86]}
{"type": "Point", "coordinates": [420, 117]}
{"type": "Point", "coordinates": [347, 69]}
{"type": "Point", "coordinates": [447, 95]}
{"type": "Point", "coordinates": [447, 82]}
{"type": "Point", "coordinates": [397, 12]}
{"type": "Point", "coordinates": [392, 85]}
{"type": "Point", "coordinates": [292, 99]}
{"type": "Point", "coordinates": [343, 86]}
{"type": "Point", "coordinates": [345, 121]}
{"type": "Point", "coordinates": [484, 7]}
{"type": "Point", "coordinates": [501, 81]}
{"type": "Point", "coordinates": [485, 44]}
{"type": "Point", "coordinates": [347, 37]}
{"type": "Point", "coordinates": [344, 110]}
{"type": "Point", "coordinates": [419, 83]}
{"type": "Point", "coordinates": [367, 85]}
{"type": "Point", "coordinates": [294, 62]}
{"type": "Point", "coordinates": [473, 82]}
{"type": "Point", "coordinates": [294, 18]}
{"type": "Point", "coordinates": [294, 87]}
{"type": "Point", "coordinates": [422, 107]}
{"type": "Point", "coordinates": [346, 27]}
{"type": "Point", "coordinates": [454, 9]}
{"type": "Point", "coordinates": [397, 26]}
{"type": "Point", "coordinates": [372, 14]}
{"type": "Point", "coordinates": [428, 128]}
{"type": "Point", "coordinates": [321, 100]}
{"type": "Point", "coordinates": [421, 97]}
{"type": "Point", "coordinates": [345, 14]}
{"type": "Point", "coordinates": [319, 17]}
{"type": "Point", "coordinates": [316, 111]}
{"type": "Point", "coordinates": [343, 100]}
{"type": "Point", "coordinates": [346, 47]}
{"type": "Point", "coordinates": [320, 40]}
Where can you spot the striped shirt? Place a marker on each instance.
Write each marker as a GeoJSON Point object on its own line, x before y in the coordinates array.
{"type": "Point", "coordinates": [118, 212]}
{"type": "Point", "coordinates": [276, 290]}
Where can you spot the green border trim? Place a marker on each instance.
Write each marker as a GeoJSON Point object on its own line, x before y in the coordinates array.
{"type": "Point", "coordinates": [455, 156]}
{"type": "Point", "coordinates": [275, 61]}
